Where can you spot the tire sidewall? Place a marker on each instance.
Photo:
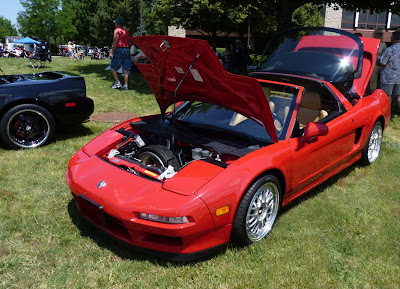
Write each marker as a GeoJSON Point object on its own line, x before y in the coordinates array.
{"type": "Point", "coordinates": [239, 234]}
{"type": "Point", "coordinates": [364, 158]}
{"type": "Point", "coordinates": [165, 154]}
{"type": "Point", "coordinates": [7, 116]}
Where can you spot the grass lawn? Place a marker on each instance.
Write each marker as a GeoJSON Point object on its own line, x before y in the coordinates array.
{"type": "Point", "coordinates": [343, 234]}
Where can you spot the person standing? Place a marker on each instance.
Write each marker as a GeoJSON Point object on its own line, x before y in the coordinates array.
{"type": "Point", "coordinates": [70, 50]}
{"type": "Point", "coordinates": [120, 54]}
{"type": "Point", "coordinates": [390, 74]}
{"type": "Point", "coordinates": [237, 58]}
{"type": "Point", "coordinates": [373, 82]}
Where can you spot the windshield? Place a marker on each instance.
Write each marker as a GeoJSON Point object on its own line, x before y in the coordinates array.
{"type": "Point", "coordinates": [281, 100]}
{"type": "Point", "coordinates": [219, 118]}
{"type": "Point", "coordinates": [325, 53]}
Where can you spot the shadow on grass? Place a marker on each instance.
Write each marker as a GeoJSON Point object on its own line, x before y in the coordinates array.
{"type": "Point", "coordinates": [120, 248]}
{"type": "Point", "coordinates": [319, 189]}
{"type": "Point", "coordinates": [65, 132]}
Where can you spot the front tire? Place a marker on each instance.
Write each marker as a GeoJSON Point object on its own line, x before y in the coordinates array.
{"type": "Point", "coordinates": [258, 210]}
{"type": "Point", "coordinates": [27, 126]}
{"type": "Point", "coordinates": [371, 150]}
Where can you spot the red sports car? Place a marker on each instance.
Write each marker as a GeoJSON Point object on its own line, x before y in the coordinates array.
{"type": "Point", "coordinates": [228, 151]}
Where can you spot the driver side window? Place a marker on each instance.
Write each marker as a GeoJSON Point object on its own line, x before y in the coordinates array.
{"type": "Point", "coordinates": [315, 106]}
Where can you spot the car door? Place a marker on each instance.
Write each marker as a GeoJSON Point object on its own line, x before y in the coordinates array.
{"type": "Point", "coordinates": [318, 159]}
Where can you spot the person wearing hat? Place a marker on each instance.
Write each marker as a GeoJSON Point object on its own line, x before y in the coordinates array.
{"type": "Point", "coordinates": [237, 58]}
{"type": "Point", "coordinates": [120, 54]}
{"type": "Point", "coordinates": [70, 50]}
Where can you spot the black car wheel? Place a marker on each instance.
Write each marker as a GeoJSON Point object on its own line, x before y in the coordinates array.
{"type": "Point", "coordinates": [257, 212]}
{"type": "Point", "coordinates": [27, 126]}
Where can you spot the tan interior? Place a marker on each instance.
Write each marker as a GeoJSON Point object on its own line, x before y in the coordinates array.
{"type": "Point", "coordinates": [238, 118]}
{"type": "Point", "coordinates": [277, 124]}
{"type": "Point", "coordinates": [310, 109]}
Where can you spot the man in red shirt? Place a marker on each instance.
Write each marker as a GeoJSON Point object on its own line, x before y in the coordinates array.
{"type": "Point", "coordinates": [120, 54]}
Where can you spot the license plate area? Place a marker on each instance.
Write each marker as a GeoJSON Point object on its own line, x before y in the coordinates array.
{"type": "Point", "coordinates": [91, 210]}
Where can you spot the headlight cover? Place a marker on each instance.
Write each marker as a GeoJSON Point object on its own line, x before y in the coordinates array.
{"type": "Point", "coordinates": [164, 219]}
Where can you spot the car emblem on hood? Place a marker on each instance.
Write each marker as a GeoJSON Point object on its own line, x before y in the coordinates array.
{"type": "Point", "coordinates": [101, 184]}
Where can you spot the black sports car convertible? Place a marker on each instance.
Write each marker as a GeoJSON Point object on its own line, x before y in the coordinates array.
{"type": "Point", "coordinates": [32, 104]}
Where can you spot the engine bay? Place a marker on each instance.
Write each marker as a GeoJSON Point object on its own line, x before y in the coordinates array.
{"type": "Point", "coordinates": [154, 148]}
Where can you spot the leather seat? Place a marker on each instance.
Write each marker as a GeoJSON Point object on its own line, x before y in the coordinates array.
{"type": "Point", "coordinates": [310, 109]}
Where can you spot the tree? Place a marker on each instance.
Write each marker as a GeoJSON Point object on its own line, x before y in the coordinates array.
{"type": "Point", "coordinates": [209, 17]}
{"type": "Point", "coordinates": [307, 15]}
{"type": "Point", "coordinates": [6, 29]}
{"type": "Point", "coordinates": [81, 13]}
{"type": "Point", "coordinates": [45, 20]}
{"type": "Point", "coordinates": [39, 18]}
{"type": "Point", "coordinates": [93, 19]}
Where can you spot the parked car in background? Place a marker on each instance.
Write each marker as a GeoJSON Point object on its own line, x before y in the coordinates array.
{"type": "Point", "coordinates": [63, 50]}
{"type": "Point", "coordinates": [90, 50]}
{"type": "Point", "coordinates": [33, 105]}
{"type": "Point", "coordinates": [220, 165]}
{"type": "Point", "coordinates": [82, 49]}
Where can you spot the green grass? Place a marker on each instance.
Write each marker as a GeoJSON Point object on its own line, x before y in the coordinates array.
{"type": "Point", "coordinates": [343, 234]}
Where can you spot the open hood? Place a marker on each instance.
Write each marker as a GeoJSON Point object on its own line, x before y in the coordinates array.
{"type": "Point", "coordinates": [206, 81]}
{"type": "Point", "coordinates": [329, 54]}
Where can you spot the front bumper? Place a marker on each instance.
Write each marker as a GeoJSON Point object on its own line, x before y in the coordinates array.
{"type": "Point", "coordinates": [114, 209]}
{"type": "Point", "coordinates": [179, 249]}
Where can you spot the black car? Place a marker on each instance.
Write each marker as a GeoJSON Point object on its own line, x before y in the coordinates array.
{"type": "Point", "coordinates": [31, 105]}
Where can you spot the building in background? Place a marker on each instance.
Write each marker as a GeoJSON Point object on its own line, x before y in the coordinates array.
{"type": "Point", "coordinates": [359, 21]}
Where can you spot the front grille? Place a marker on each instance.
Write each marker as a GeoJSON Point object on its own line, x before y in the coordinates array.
{"type": "Point", "coordinates": [95, 213]}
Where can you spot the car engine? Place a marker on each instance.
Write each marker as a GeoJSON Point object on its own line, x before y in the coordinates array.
{"type": "Point", "coordinates": [161, 155]}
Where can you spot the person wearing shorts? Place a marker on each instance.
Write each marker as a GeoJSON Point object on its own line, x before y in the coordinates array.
{"type": "Point", "coordinates": [390, 74]}
{"type": "Point", "coordinates": [70, 50]}
{"type": "Point", "coordinates": [120, 54]}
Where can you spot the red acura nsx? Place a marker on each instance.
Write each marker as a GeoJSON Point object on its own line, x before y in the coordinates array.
{"type": "Point", "coordinates": [228, 151]}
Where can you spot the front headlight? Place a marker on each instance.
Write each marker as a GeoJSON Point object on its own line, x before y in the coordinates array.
{"type": "Point", "coordinates": [163, 219]}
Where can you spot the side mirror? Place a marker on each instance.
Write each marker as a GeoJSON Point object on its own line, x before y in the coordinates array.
{"type": "Point", "coordinates": [314, 130]}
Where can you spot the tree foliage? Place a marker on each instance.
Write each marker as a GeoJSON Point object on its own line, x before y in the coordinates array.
{"type": "Point", "coordinates": [307, 15]}
{"type": "Point", "coordinates": [211, 17]}
{"type": "Point", "coordinates": [6, 29]}
{"type": "Point", "coordinates": [91, 21]}
{"type": "Point", "coordinates": [38, 19]}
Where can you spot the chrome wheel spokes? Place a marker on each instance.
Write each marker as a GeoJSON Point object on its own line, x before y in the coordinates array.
{"type": "Point", "coordinates": [375, 143]}
{"type": "Point", "coordinates": [262, 211]}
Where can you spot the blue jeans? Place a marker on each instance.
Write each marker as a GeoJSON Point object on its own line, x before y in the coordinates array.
{"type": "Point", "coordinates": [120, 57]}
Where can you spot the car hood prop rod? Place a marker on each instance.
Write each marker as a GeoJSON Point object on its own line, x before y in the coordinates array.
{"type": "Point", "coordinates": [175, 91]}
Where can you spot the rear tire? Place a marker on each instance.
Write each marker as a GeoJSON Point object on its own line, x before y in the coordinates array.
{"type": "Point", "coordinates": [371, 150]}
{"type": "Point", "coordinates": [257, 212]}
{"type": "Point", "coordinates": [27, 126]}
